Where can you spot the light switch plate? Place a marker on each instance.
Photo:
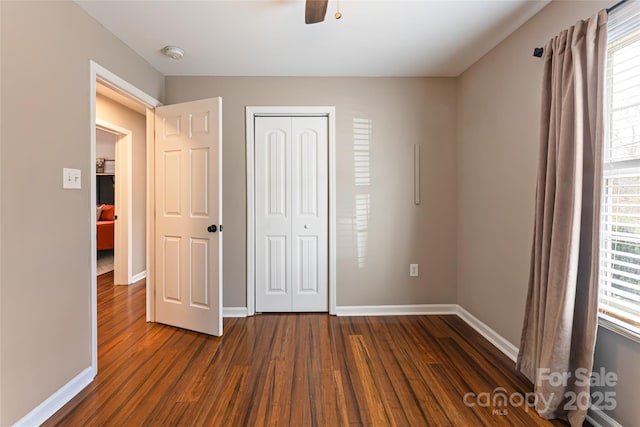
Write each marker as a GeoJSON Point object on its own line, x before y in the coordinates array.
{"type": "Point", "coordinates": [413, 270]}
{"type": "Point", "coordinates": [71, 178]}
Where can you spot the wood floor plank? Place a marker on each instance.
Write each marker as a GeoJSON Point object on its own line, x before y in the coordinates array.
{"type": "Point", "coordinates": [291, 370]}
{"type": "Point", "coordinates": [378, 413]}
{"type": "Point", "coordinates": [398, 354]}
{"type": "Point", "coordinates": [342, 415]}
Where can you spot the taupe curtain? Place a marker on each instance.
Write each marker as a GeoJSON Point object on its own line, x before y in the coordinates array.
{"type": "Point", "coordinates": [561, 317]}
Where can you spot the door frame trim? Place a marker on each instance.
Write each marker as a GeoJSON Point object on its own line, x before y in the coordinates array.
{"type": "Point", "coordinates": [251, 112]}
{"type": "Point", "coordinates": [99, 74]}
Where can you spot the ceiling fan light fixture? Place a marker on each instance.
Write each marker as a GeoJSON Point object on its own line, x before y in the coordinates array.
{"type": "Point", "coordinates": [173, 52]}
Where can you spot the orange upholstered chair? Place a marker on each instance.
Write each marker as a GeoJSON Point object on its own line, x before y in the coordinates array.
{"type": "Point", "coordinates": [105, 227]}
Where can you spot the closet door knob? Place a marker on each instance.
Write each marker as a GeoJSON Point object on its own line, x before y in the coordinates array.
{"type": "Point", "coordinates": [212, 229]}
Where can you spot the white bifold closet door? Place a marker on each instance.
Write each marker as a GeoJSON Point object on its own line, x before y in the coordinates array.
{"type": "Point", "coordinates": [291, 211]}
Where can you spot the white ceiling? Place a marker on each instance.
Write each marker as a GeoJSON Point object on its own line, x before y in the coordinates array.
{"type": "Point", "coordinates": [270, 38]}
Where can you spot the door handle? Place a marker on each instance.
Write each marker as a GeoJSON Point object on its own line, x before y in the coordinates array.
{"type": "Point", "coordinates": [212, 228]}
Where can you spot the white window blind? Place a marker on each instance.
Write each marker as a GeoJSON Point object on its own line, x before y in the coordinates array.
{"type": "Point", "coordinates": [619, 298]}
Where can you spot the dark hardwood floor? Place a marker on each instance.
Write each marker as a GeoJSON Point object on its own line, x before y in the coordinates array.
{"type": "Point", "coordinates": [291, 370]}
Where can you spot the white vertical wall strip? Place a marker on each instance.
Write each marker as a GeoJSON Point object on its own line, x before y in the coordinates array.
{"type": "Point", "coordinates": [416, 173]}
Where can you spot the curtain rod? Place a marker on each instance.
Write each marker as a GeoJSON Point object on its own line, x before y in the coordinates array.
{"type": "Point", "coordinates": [538, 51]}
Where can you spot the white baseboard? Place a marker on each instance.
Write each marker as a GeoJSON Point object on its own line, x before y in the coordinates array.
{"type": "Point", "coordinates": [57, 400]}
{"type": "Point", "coordinates": [395, 310]}
{"type": "Point", "coordinates": [234, 311]}
{"type": "Point", "coordinates": [139, 276]}
{"type": "Point", "coordinates": [492, 336]}
{"type": "Point", "coordinates": [598, 418]}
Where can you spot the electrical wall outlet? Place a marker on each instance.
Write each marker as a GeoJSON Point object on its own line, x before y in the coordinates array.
{"type": "Point", "coordinates": [413, 270]}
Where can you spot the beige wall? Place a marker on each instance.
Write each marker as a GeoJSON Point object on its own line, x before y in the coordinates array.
{"type": "Point", "coordinates": [105, 144]}
{"type": "Point", "coordinates": [45, 275]}
{"type": "Point", "coordinates": [498, 118]}
{"type": "Point", "coordinates": [402, 112]}
{"type": "Point", "coordinates": [497, 153]}
{"type": "Point", "coordinates": [117, 114]}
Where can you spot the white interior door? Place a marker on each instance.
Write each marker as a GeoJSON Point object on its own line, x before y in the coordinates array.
{"type": "Point", "coordinates": [291, 173]}
{"type": "Point", "coordinates": [188, 246]}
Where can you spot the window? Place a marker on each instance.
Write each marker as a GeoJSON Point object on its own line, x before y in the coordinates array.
{"type": "Point", "coordinates": [619, 298]}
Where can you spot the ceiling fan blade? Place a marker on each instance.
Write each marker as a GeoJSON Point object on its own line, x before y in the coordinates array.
{"type": "Point", "coordinates": [315, 10]}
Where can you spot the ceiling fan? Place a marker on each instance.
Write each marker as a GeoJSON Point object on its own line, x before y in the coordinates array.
{"type": "Point", "coordinates": [315, 10]}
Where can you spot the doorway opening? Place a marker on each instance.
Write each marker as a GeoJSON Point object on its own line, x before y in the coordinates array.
{"type": "Point", "coordinates": [114, 200]}
{"type": "Point", "coordinates": [105, 201]}
{"type": "Point", "coordinates": [122, 92]}
{"type": "Point", "coordinates": [253, 114]}
{"type": "Point", "coordinates": [194, 128]}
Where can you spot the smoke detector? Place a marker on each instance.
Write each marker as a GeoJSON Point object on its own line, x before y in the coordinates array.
{"type": "Point", "coordinates": [173, 52]}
